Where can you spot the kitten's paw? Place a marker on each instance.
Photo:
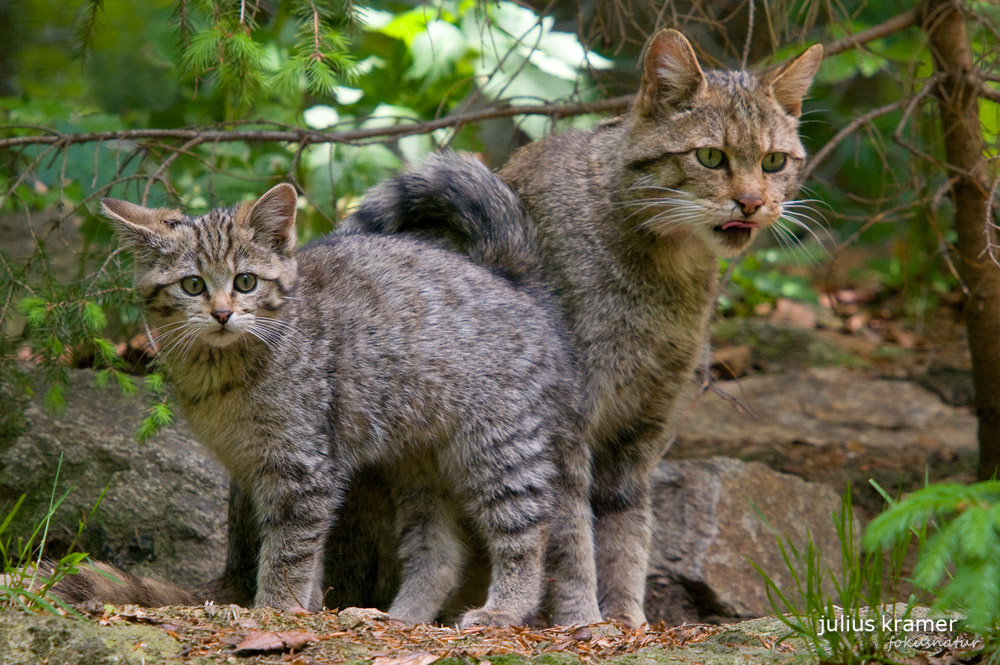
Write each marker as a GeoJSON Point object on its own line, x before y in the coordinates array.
{"type": "Point", "coordinates": [484, 617]}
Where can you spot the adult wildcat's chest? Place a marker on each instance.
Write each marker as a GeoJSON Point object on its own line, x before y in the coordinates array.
{"type": "Point", "coordinates": [642, 339]}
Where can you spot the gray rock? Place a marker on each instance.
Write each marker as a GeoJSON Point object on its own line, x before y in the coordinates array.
{"type": "Point", "coordinates": [827, 406]}
{"type": "Point", "coordinates": [164, 510]}
{"type": "Point", "coordinates": [706, 531]}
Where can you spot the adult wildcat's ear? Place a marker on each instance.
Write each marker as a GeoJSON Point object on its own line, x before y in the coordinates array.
{"type": "Point", "coordinates": [671, 75]}
{"type": "Point", "coordinates": [272, 218]}
{"type": "Point", "coordinates": [790, 83]}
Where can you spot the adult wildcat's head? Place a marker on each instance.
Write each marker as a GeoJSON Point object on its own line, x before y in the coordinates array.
{"type": "Point", "coordinates": [713, 155]}
{"type": "Point", "coordinates": [217, 279]}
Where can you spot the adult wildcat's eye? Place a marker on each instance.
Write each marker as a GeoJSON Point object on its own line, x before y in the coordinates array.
{"type": "Point", "coordinates": [711, 158]}
{"type": "Point", "coordinates": [245, 282]}
{"type": "Point", "coordinates": [193, 285]}
{"type": "Point", "coordinates": [773, 162]}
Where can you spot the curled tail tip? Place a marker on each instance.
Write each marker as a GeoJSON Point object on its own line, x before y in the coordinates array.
{"type": "Point", "coordinates": [456, 199]}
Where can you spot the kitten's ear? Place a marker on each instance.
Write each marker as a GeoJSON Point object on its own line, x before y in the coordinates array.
{"type": "Point", "coordinates": [790, 83]}
{"type": "Point", "coordinates": [671, 74]}
{"type": "Point", "coordinates": [272, 218]}
{"type": "Point", "coordinates": [142, 228]}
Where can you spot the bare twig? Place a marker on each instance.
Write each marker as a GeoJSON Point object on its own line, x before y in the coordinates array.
{"type": "Point", "coordinates": [897, 23]}
{"type": "Point", "coordinates": [304, 135]}
{"type": "Point", "coordinates": [847, 131]}
{"type": "Point", "coordinates": [989, 93]}
{"type": "Point", "coordinates": [911, 107]}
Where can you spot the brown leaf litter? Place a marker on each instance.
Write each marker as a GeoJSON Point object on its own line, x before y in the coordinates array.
{"type": "Point", "coordinates": [266, 636]}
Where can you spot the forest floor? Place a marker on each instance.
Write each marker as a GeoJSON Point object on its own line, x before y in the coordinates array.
{"type": "Point", "coordinates": [229, 634]}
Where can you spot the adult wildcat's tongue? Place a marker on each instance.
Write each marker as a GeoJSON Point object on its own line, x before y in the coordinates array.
{"type": "Point", "coordinates": [739, 224]}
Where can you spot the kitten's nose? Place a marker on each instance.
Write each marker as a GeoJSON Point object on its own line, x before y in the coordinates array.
{"type": "Point", "coordinates": [221, 315]}
{"type": "Point", "coordinates": [749, 203]}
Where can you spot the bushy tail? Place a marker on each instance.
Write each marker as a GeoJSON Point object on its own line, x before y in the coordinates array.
{"type": "Point", "coordinates": [102, 583]}
{"type": "Point", "coordinates": [454, 199]}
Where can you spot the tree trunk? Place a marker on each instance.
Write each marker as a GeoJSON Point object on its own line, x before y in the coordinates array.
{"type": "Point", "coordinates": [958, 100]}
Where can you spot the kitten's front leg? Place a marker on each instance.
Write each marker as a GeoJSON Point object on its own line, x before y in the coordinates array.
{"type": "Point", "coordinates": [431, 551]}
{"type": "Point", "coordinates": [238, 583]}
{"type": "Point", "coordinates": [570, 554]}
{"type": "Point", "coordinates": [295, 503]}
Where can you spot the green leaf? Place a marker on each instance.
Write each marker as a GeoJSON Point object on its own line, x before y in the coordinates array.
{"type": "Point", "coordinates": [436, 51]}
{"type": "Point", "coordinates": [202, 53]}
{"type": "Point", "coordinates": [101, 378]}
{"type": "Point", "coordinates": [105, 349]}
{"type": "Point", "coordinates": [161, 415]}
{"type": "Point", "coordinates": [93, 317]}
{"type": "Point", "coordinates": [126, 384]}
{"type": "Point", "coordinates": [154, 382]}
{"type": "Point", "coordinates": [35, 310]}
{"type": "Point", "coordinates": [54, 346]}
{"type": "Point", "coordinates": [54, 399]}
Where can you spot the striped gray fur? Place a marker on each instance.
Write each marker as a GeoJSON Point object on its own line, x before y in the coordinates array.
{"type": "Point", "coordinates": [368, 352]}
{"type": "Point", "coordinates": [627, 222]}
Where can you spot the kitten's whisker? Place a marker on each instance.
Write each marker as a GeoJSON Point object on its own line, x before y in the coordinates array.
{"type": "Point", "coordinates": [266, 340]}
{"type": "Point", "coordinates": [181, 344]}
{"type": "Point", "coordinates": [182, 340]}
{"type": "Point", "coordinates": [168, 328]}
{"type": "Point", "coordinates": [277, 325]}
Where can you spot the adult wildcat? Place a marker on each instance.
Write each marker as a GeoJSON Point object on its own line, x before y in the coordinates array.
{"type": "Point", "coordinates": [626, 223]}
{"type": "Point", "coordinates": [297, 368]}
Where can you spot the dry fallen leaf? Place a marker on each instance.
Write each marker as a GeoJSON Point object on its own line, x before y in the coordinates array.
{"type": "Point", "coordinates": [265, 640]}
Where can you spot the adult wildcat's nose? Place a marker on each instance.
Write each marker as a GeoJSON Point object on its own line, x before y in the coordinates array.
{"type": "Point", "coordinates": [749, 203]}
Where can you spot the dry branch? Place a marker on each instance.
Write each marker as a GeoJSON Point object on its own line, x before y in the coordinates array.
{"type": "Point", "coordinates": [897, 23]}
{"type": "Point", "coordinates": [195, 136]}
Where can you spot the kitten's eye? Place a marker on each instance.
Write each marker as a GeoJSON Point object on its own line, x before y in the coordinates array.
{"type": "Point", "coordinates": [245, 282]}
{"type": "Point", "coordinates": [773, 162]}
{"type": "Point", "coordinates": [711, 158]}
{"type": "Point", "coordinates": [193, 285]}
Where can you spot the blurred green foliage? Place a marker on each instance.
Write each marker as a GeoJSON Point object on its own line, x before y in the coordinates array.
{"type": "Point", "coordinates": [331, 65]}
{"type": "Point", "coordinates": [321, 65]}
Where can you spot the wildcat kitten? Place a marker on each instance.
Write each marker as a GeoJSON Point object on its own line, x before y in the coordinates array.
{"type": "Point", "coordinates": [296, 369]}
{"type": "Point", "coordinates": [629, 220]}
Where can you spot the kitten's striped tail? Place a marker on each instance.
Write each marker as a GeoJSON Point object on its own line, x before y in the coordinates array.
{"type": "Point", "coordinates": [455, 199]}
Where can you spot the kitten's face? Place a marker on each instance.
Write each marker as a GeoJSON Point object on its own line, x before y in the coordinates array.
{"type": "Point", "coordinates": [714, 155]}
{"type": "Point", "coordinates": [213, 280]}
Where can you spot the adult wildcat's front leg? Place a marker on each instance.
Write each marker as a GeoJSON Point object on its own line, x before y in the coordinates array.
{"type": "Point", "coordinates": [623, 525]}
